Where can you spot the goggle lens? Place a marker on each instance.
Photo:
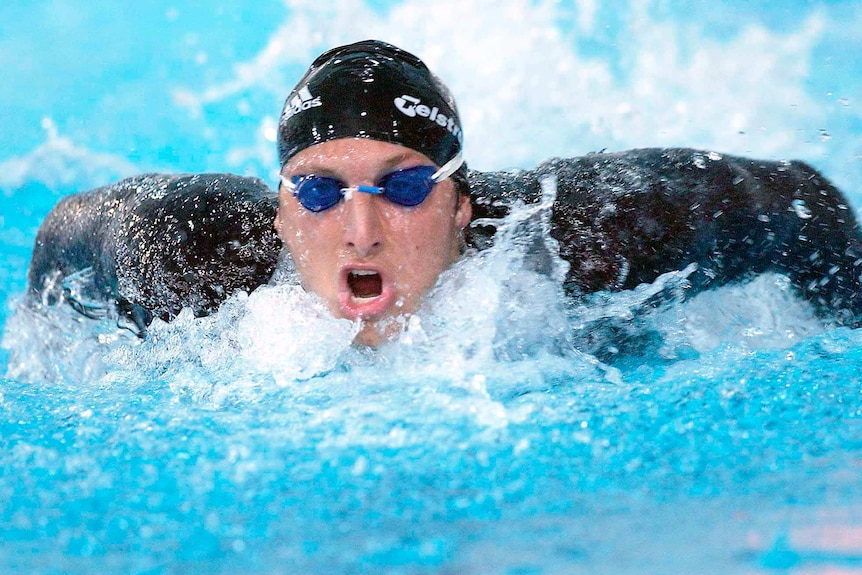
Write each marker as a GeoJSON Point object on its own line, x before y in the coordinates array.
{"type": "Point", "coordinates": [316, 193]}
{"type": "Point", "coordinates": [407, 187]}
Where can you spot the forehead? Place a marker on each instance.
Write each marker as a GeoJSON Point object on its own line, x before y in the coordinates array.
{"type": "Point", "coordinates": [354, 155]}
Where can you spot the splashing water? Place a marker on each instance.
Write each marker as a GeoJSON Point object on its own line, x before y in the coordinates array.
{"type": "Point", "coordinates": [487, 438]}
{"type": "Point", "coordinates": [491, 306]}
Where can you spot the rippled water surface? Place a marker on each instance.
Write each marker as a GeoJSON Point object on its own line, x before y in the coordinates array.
{"type": "Point", "coordinates": [508, 430]}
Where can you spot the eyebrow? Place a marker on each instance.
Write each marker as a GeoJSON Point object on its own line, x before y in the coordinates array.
{"type": "Point", "coordinates": [319, 168]}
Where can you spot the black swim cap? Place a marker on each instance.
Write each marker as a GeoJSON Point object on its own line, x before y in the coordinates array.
{"type": "Point", "coordinates": [373, 90]}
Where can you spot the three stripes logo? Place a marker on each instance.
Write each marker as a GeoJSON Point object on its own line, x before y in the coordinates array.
{"type": "Point", "coordinates": [302, 100]}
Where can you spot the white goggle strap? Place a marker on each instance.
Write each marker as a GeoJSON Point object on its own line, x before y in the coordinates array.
{"type": "Point", "coordinates": [448, 168]}
{"type": "Point", "coordinates": [287, 183]}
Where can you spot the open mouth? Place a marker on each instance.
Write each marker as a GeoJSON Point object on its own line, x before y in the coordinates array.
{"type": "Point", "coordinates": [365, 293]}
{"type": "Point", "coordinates": [365, 284]}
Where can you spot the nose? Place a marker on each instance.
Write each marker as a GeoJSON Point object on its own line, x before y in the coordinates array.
{"type": "Point", "coordinates": [363, 229]}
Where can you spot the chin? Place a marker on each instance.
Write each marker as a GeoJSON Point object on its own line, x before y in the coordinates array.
{"type": "Point", "coordinates": [373, 334]}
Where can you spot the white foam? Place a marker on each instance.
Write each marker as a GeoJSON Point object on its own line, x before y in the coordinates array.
{"type": "Point", "coordinates": [761, 314]}
{"type": "Point", "coordinates": [56, 343]}
{"type": "Point", "coordinates": [291, 332]}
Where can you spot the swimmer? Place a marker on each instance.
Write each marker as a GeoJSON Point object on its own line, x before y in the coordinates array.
{"type": "Point", "coordinates": [375, 202]}
{"type": "Point", "coordinates": [373, 198]}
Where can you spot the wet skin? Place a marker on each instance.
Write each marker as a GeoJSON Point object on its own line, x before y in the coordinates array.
{"type": "Point", "coordinates": [369, 259]}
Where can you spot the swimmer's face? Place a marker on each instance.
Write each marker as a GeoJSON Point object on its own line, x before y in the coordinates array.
{"type": "Point", "coordinates": [368, 258]}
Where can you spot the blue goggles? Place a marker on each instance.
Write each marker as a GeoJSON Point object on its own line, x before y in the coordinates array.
{"type": "Point", "coordinates": [407, 187]}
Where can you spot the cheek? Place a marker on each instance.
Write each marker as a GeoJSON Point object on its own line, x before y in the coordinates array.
{"type": "Point", "coordinates": [295, 233]}
{"type": "Point", "coordinates": [432, 237]}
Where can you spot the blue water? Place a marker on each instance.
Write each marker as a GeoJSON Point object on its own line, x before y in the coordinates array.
{"type": "Point", "coordinates": [724, 435]}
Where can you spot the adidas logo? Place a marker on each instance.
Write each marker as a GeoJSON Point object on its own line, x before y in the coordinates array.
{"type": "Point", "coordinates": [302, 100]}
{"type": "Point", "coordinates": [412, 106]}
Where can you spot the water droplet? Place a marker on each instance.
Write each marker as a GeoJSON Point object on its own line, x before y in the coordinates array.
{"type": "Point", "coordinates": [801, 209]}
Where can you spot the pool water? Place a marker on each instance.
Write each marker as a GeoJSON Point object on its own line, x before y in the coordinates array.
{"type": "Point", "coordinates": [508, 430]}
